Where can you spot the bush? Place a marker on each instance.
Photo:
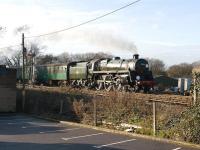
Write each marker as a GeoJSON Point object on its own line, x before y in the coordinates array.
{"type": "Point", "coordinates": [188, 127]}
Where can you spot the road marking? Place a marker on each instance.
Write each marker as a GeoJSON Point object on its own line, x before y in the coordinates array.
{"type": "Point", "coordinates": [41, 132]}
{"type": "Point", "coordinates": [177, 148]}
{"type": "Point", "coordinates": [14, 120]}
{"type": "Point", "coordinates": [44, 124]}
{"type": "Point", "coordinates": [59, 130]}
{"type": "Point", "coordinates": [47, 125]}
{"type": "Point", "coordinates": [19, 119]}
{"type": "Point", "coordinates": [120, 142]}
{"type": "Point", "coordinates": [12, 123]}
{"type": "Point", "coordinates": [34, 125]}
{"type": "Point", "coordinates": [76, 137]}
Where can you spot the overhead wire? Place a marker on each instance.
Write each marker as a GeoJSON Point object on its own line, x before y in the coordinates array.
{"type": "Point", "coordinates": [75, 26]}
{"type": "Point", "coordinates": [86, 22]}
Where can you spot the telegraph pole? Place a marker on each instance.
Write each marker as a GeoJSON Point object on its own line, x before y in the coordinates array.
{"type": "Point", "coordinates": [23, 73]}
{"type": "Point", "coordinates": [33, 68]}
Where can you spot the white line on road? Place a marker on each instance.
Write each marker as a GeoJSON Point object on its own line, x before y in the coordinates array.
{"type": "Point", "coordinates": [120, 142]}
{"type": "Point", "coordinates": [12, 123]}
{"type": "Point", "coordinates": [177, 148]}
{"type": "Point", "coordinates": [14, 120]}
{"type": "Point", "coordinates": [39, 125]}
{"type": "Point", "coordinates": [48, 125]}
{"type": "Point", "coordinates": [44, 124]}
{"type": "Point", "coordinates": [76, 137]}
{"type": "Point", "coordinates": [60, 130]}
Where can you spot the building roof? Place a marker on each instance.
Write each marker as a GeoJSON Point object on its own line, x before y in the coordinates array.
{"type": "Point", "coordinates": [166, 81]}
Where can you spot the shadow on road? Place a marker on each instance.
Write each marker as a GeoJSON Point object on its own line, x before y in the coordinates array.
{"type": "Point", "coordinates": [41, 146]}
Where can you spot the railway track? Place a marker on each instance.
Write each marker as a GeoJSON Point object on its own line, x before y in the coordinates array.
{"type": "Point", "coordinates": [162, 98]}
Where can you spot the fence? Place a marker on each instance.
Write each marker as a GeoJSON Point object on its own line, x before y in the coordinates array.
{"type": "Point", "coordinates": [147, 117]}
{"type": "Point", "coordinates": [138, 113]}
{"type": "Point", "coordinates": [196, 87]}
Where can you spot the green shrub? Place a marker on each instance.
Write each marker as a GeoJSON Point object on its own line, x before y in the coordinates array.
{"type": "Point", "coordinates": [188, 128]}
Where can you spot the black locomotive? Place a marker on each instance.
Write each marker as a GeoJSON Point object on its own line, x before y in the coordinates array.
{"type": "Point", "coordinates": [109, 74]}
{"type": "Point", "coordinates": [120, 74]}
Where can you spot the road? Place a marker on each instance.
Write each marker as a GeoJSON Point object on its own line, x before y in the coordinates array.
{"type": "Point", "coordinates": [19, 132]}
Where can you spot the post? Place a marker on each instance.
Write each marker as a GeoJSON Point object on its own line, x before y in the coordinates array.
{"type": "Point", "coordinates": [95, 110]}
{"type": "Point", "coordinates": [61, 107]}
{"type": "Point", "coordinates": [154, 118]}
{"type": "Point", "coordinates": [195, 91]}
{"type": "Point", "coordinates": [33, 68]}
{"type": "Point", "coordinates": [23, 73]}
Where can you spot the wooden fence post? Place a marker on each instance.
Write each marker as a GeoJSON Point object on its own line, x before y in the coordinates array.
{"type": "Point", "coordinates": [195, 91]}
{"type": "Point", "coordinates": [95, 111]}
{"type": "Point", "coordinates": [61, 107]}
{"type": "Point", "coordinates": [154, 118]}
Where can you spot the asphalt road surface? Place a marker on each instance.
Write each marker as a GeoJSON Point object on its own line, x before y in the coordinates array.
{"type": "Point", "coordinates": [18, 132]}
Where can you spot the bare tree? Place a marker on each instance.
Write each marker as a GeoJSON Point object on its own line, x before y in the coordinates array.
{"type": "Point", "coordinates": [46, 59]}
{"type": "Point", "coordinates": [33, 51]}
{"type": "Point", "coordinates": [157, 66]}
{"type": "Point", "coordinates": [14, 60]}
{"type": "Point", "coordinates": [64, 58]}
{"type": "Point", "coordinates": [35, 48]}
{"type": "Point", "coordinates": [196, 63]}
{"type": "Point", "coordinates": [180, 70]}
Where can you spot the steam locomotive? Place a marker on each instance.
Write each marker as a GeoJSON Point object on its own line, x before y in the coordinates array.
{"type": "Point", "coordinates": [109, 74]}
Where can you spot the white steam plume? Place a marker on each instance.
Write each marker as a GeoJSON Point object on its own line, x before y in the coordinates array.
{"type": "Point", "coordinates": [102, 39]}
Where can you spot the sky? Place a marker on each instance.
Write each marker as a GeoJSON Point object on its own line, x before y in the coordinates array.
{"type": "Point", "coordinates": [163, 29]}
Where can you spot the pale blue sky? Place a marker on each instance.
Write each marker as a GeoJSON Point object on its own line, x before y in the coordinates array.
{"type": "Point", "coordinates": [164, 29]}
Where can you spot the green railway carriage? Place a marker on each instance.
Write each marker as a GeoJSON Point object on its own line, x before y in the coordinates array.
{"type": "Point", "coordinates": [55, 74]}
{"type": "Point", "coordinates": [51, 74]}
{"type": "Point", "coordinates": [59, 74]}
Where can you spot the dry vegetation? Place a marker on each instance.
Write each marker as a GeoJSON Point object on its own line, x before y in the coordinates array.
{"type": "Point", "coordinates": [113, 108]}
{"type": "Point", "coordinates": [187, 100]}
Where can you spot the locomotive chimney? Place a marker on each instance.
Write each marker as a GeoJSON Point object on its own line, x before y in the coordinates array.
{"type": "Point", "coordinates": [136, 56]}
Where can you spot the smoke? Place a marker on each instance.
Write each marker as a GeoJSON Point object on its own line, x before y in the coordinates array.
{"type": "Point", "coordinates": [21, 29]}
{"type": "Point", "coordinates": [2, 31]}
{"type": "Point", "coordinates": [111, 41]}
{"type": "Point", "coordinates": [102, 39]}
